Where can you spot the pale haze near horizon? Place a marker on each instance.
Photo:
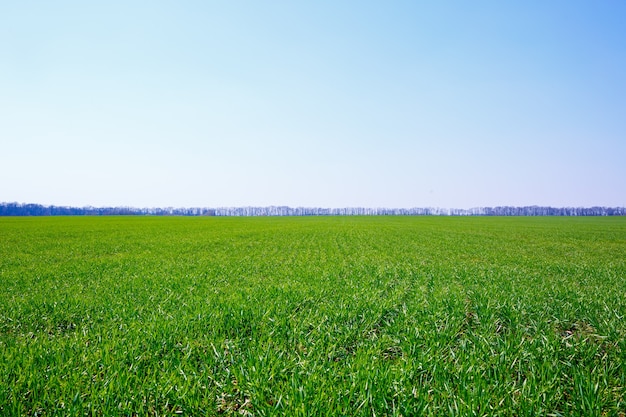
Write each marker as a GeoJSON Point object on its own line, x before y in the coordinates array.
{"type": "Point", "coordinates": [325, 104]}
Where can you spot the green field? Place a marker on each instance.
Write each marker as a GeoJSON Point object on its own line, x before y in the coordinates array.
{"type": "Point", "coordinates": [313, 316]}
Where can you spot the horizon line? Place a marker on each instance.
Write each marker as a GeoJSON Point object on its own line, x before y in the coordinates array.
{"type": "Point", "coordinates": [34, 209]}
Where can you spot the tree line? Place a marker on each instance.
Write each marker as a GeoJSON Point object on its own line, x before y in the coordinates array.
{"type": "Point", "coordinates": [19, 209]}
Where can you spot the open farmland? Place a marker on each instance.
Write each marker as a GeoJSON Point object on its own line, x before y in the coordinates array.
{"type": "Point", "coordinates": [312, 316]}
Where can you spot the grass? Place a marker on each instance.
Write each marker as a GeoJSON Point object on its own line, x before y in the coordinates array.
{"type": "Point", "coordinates": [323, 316]}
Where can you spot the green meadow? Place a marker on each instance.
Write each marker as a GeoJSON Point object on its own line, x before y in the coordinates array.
{"type": "Point", "coordinates": [313, 316]}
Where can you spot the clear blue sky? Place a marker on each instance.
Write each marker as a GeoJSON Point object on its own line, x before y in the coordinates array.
{"type": "Point", "coordinates": [326, 103]}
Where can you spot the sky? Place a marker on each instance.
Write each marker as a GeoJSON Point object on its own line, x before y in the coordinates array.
{"type": "Point", "coordinates": [398, 104]}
